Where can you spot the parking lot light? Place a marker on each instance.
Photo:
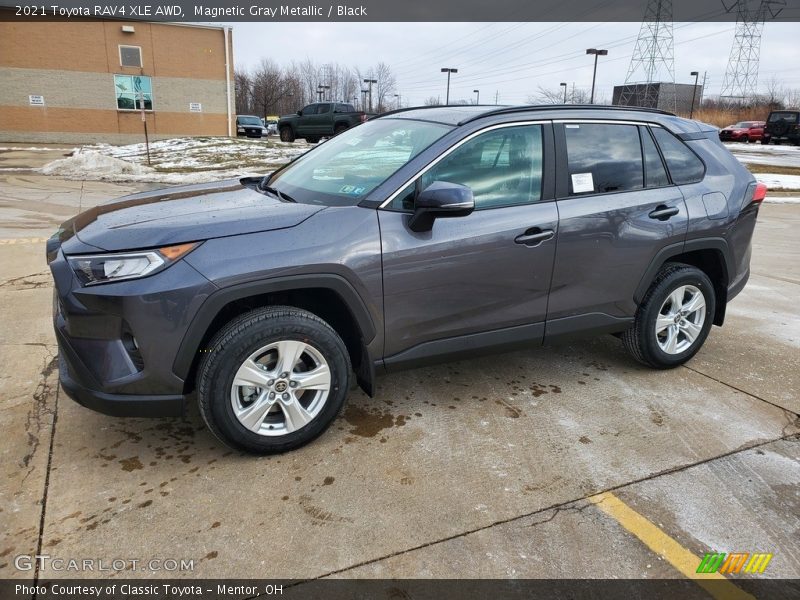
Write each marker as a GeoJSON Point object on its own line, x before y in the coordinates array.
{"type": "Point", "coordinates": [597, 52]}
{"type": "Point", "coordinates": [448, 70]}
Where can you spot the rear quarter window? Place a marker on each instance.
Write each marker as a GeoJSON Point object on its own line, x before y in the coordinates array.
{"type": "Point", "coordinates": [684, 166]}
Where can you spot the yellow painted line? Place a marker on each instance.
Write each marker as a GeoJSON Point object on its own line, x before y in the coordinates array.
{"type": "Point", "coordinates": [8, 241]}
{"type": "Point", "coordinates": [659, 542]}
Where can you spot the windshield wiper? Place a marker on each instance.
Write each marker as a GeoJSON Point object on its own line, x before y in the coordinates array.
{"type": "Point", "coordinates": [280, 195]}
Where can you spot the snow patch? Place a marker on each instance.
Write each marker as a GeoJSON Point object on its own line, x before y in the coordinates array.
{"type": "Point", "coordinates": [90, 162]}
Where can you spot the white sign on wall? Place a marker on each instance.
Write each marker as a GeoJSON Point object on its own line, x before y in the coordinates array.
{"type": "Point", "coordinates": [36, 100]}
{"type": "Point", "coordinates": [195, 107]}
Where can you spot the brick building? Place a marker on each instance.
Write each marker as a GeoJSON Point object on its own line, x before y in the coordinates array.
{"type": "Point", "coordinates": [82, 81]}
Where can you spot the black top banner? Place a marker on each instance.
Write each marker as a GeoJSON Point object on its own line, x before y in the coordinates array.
{"type": "Point", "coordinates": [221, 11]}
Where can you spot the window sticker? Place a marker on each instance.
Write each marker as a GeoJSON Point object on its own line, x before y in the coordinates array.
{"type": "Point", "coordinates": [582, 182]}
{"type": "Point", "coordinates": [572, 126]}
{"type": "Point", "coordinates": [352, 190]}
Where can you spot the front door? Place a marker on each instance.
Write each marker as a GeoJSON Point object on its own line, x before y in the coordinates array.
{"type": "Point", "coordinates": [480, 280]}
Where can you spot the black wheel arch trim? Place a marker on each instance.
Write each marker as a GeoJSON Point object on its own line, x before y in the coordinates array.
{"type": "Point", "coordinates": [693, 245]}
{"type": "Point", "coordinates": [218, 300]}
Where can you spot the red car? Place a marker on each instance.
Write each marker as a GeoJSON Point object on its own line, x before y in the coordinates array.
{"type": "Point", "coordinates": [744, 131]}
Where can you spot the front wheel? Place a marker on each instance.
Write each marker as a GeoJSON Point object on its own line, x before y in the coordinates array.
{"type": "Point", "coordinates": [273, 380]}
{"type": "Point", "coordinates": [287, 135]}
{"type": "Point", "coordinates": [674, 319]}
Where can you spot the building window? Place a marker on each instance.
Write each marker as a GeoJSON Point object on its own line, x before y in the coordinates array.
{"type": "Point", "coordinates": [132, 88]}
{"type": "Point", "coordinates": [130, 56]}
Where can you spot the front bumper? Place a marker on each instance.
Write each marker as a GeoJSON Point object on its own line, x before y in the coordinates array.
{"type": "Point", "coordinates": [117, 342]}
{"type": "Point", "coordinates": [117, 405]}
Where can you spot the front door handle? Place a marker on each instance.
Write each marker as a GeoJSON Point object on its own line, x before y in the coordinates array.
{"type": "Point", "coordinates": [534, 236]}
{"type": "Point", "coordinates": [662, 213]}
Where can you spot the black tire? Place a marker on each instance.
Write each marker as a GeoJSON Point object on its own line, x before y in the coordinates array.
{"type": "Point", "coordinates": [745, 139]}
{"type": "Point", "coordinates": [237, 341]}
{"type": "Point", "coordinates": [641, 340]}
{"type": "Point", "coordinates": [340, 128]}
{"type": "Point", "coordinates": [287, 134]}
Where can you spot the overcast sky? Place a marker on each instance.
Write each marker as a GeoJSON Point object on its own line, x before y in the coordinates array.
{"type": "Point", "coordinates": [508, 59]}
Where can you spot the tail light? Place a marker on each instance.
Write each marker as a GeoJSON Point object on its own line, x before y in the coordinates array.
{"type": "Point", "coordinates": [364, 118]}
{"type": "Point", "coordinates": [760, 192]}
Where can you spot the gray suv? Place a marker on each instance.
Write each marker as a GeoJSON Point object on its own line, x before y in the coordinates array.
{"type": "Point", "coordinates": [422, 235]}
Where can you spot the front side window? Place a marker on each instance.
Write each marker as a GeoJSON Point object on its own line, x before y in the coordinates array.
{"type": "Point", "coordinates": [783, 116]}
{"type": "Point", "coordinates": [131, 90]}
{"type": "Point", "coordinates": [343, 170]}
{"type": "Point", "coordinates": [502, 167]}
{"type": "Point", "coordinates": [603, 158]}
{"type": "Point", "coordinates": [683, 164]}
{"type": "Point", "coordinates": [311, 109]}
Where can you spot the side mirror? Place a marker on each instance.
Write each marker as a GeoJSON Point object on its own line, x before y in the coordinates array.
{"type": "Point", "coordinates": [299, 113]}
{"type": "Point", "coordinates": [440, 199]}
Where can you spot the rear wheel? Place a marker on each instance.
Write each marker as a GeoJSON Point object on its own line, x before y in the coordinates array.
{"type": "Point", "coordinates": [339, 129]}
{"type": "Point", "coordinates": [273, 379]}
{"type": "Point", "coordinates": [674, 319]}
{"type": "Point", "coordinates": [287, 135]}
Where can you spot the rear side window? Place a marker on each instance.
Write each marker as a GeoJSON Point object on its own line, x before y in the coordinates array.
{"type": "Point", "coordinates": [603, 158]}
{"type": "Point", "coordinates": [683, 164]}
{"type": "Point", "coordinates": [345, 108]}
{"type": "Point", "coordinates": [655, 175]}
{"type": "Point", "coordinates": [323, 108]}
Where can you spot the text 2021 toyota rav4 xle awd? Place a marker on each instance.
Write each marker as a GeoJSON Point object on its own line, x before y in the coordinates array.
{"type": "Point", "coordinates": [421, 235]}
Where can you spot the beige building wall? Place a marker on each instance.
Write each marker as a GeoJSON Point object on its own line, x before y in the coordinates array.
{"type": "Point", "coordinates": [72, 65]}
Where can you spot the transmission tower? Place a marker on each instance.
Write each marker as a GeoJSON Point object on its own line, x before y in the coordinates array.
{"type": "Point", "coordinates": [741, 76]}
{"type": "Point", "coordinates": [653, 60]}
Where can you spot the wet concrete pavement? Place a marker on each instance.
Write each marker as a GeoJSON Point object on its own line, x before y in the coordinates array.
{"type": "Point", "coordinates": [482, 468]}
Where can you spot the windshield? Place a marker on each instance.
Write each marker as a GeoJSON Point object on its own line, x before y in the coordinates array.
{"type": "Point", "coordinates": [343, 170]}
{"type": "Point", "coordinates": [249, 121]}
{"type": "Point", "coordinates": [742, 125]}
{"type": "Point", "coordinates": [777, 116]}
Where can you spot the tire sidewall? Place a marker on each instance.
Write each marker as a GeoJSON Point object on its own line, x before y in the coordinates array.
{"type": "Point", "coordinates": [226, 362]}
{"type": "Point", "coordinates": [685, 276]}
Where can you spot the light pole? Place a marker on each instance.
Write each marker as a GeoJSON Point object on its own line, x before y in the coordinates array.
{"type": "Point", "coordinates": [477, 96]}
{"type": "Point", "coordinates": [321, 91]}
{"type": "Point", "coordinates": [694, 91]}
{"type": "Point", "coordinates": [596, 53]}
{"type": "Point", "coordinates": [448, 70]}
{"type": "Point", "coordinates": [364, 100]}
{"type": "Point", "coordinates": [564, 85]}
{"type": "Point", "coordinates": [370, 82]}
{"type": "Point", "coordinates": [398, 100]}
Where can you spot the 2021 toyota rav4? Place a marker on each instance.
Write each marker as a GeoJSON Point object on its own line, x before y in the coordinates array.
{"type": "Point", "coordinates": [422, 235]}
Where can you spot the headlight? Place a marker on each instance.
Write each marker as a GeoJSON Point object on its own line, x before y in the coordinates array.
{"type": "Point", "coordinates": [104, 268]}
{"type": "Point", "coordinates": [240, 130]}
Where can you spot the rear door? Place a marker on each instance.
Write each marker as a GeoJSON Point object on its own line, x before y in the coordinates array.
{"type": "Point", "coordinates": [481, 280]}
{"type": "Point", "coordinates": [617, 210]}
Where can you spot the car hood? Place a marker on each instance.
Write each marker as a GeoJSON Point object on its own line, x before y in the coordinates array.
{"type": "Point", "coordinates": [183, 214]}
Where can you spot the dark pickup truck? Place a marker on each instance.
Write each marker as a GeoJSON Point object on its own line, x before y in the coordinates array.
{"type": "Point", "coordinates": [319, 120]}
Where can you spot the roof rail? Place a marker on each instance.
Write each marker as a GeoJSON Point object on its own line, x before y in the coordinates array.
{"type": "Point", "coordinates": [530, 107]}
{"type": "Point", "coordinates": [408, 108]}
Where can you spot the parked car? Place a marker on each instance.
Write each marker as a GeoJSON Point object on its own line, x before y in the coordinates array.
{"type": "Point", "coordinates": [319, 120]}
{"type": "Point", "coordinates": [271, 123]}
{"type": "Point", "coordinates": [744, 131]}
{"type": "Point", "coordinates": [250, 126]}
{"type": "Point", "coordinates": [782, 126]}
{"type": "Point", "coordinates": [422, 235]}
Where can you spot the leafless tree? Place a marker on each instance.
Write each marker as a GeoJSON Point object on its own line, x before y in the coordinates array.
{"type": "Point", "coordinates": [432, 101]}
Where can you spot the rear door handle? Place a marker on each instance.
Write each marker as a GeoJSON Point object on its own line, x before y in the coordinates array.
{"type": "Point", "coordinates": [662, 213]}
{"type": "Point", "coordinates": [534, 236]}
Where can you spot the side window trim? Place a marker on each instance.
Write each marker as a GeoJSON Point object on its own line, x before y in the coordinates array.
{"type": "Point", "coordinates": [645, 130]}
{"type": "Point", "coordinates": [547, 158]}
